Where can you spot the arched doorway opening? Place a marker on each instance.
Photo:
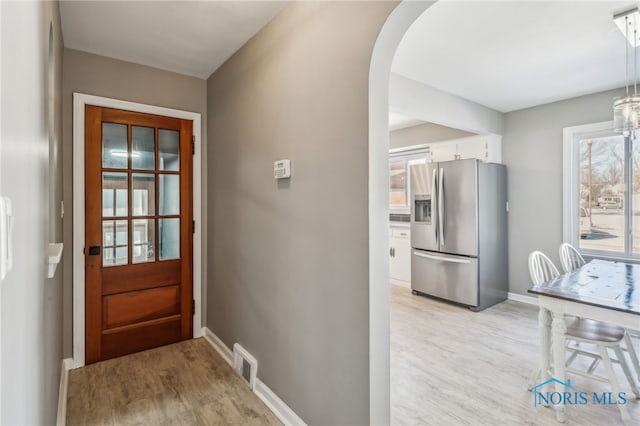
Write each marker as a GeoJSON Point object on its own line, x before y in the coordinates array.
{"type": "Point", "coordinates": [384, 50]}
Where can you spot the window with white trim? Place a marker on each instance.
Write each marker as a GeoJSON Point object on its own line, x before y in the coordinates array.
{"type": "Point", "coordinates": [601, 198]}
{"type": "Point", "coordinates": [400, 162]}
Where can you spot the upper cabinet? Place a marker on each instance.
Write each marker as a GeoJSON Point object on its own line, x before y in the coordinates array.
{"type": "Point", "coordinates": [483, 147]}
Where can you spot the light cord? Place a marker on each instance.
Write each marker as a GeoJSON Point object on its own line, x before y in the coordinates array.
{"type": "Point", "coordinates": [626, 54]}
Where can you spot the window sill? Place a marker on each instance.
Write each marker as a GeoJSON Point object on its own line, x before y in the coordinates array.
{"type": "Point", "coordinates": [610, 257]}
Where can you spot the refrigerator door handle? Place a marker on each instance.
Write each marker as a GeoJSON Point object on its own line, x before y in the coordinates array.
{"type": "Point", "coordinates": [433, 208]}
{"type": "Point", "coordinates": [444, 259]}
{"type": "Point", "coordinates": [441, 206]}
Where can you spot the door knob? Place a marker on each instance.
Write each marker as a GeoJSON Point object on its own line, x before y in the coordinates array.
{"type": "Point", "coordinates": [94, 250]}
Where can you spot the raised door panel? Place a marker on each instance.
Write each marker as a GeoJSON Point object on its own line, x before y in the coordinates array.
{"type": "Point", "coordinates": [137, 306]}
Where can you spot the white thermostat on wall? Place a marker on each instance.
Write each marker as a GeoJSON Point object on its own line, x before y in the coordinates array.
{"type": "Point", "coordinates": [282, 169]}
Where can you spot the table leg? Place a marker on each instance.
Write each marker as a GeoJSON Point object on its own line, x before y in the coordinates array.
{"type": "Point", "coordinates": [559, 368]}
{"type": "Point", "coordinates": [544, 321]}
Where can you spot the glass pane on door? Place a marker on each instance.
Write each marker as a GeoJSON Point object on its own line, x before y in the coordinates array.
{"type": "Point", "coordinates": [143, 151]}
{"type": "Point", "coordinates": [169, 194]}
{"type": "Point", "coordinates": [114, 242]}
{"type": "Point", "coordinates": [144, 236]}
{"type": "Point", "coordinates": [144, 194]}
{"type": "Point", "coordinates": [115, 194]}
{"type": "Point", "coordinates": [115, 154]}
{"type": "Point", "coordinates": [169, 236]}
{"type": "Point", "coordinates": [168, 150]}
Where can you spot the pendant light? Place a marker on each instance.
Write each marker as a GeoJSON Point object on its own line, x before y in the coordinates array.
{"type": "Point", "coordinates": [626, 109]}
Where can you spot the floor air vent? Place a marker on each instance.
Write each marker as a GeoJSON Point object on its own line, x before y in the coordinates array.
{"type": "Point", "coordinates": [245, 365]}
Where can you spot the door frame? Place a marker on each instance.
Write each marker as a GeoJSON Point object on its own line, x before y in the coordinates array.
{"type": "Point", "coordinates": [80, 100]}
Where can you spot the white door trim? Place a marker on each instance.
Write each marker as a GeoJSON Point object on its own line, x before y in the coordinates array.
{"type": "Point", "coordinates": [79, 102]}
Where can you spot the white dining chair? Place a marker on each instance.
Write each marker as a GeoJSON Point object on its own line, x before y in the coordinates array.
{"type": "Point", "coordinates": [579, 330]}
{"type": "Point", "coordinates": [541, 268]}
{"type": "Point", "coordinates": [570, 259]}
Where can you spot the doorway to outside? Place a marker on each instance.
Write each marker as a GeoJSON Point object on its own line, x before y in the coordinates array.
{"type": "Point", "coordinates": [137, 228]}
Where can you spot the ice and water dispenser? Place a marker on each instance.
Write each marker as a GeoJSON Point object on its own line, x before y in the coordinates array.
{"type": "Point", "coordinates": [422, 208]}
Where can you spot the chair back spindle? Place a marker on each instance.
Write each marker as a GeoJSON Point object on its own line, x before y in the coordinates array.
{"type": "Point", "coordinates": [570, 259]}
{"type": "Point", "coordinates": [541, 268]}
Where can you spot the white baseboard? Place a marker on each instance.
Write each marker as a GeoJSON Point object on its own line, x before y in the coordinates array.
{"type": "Point", "coordinates": [281, 410]}
{"type": "Point", "coordinates": [522, 298]}
{"type": "Point", "coordinates": [67, 364]}
{"type": "Point", "coordinates": [402, 284]}
{"type": "Point", "coordinates": [222, 349]}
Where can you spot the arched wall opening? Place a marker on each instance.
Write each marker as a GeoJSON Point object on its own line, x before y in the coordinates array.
{"type": "Point", "coordinates": [384, 50]}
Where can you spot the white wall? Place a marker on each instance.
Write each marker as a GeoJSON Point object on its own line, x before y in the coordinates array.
{"type": "Point", "coordinates": [413, 99]}
{"type": "Point", "coordinates": [31, 332]}
{"type": "Point", "coordinates": [532, 151]}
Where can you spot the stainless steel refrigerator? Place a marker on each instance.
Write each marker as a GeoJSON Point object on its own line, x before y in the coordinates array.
{"type": "Point", "coordinates": [459, 231]}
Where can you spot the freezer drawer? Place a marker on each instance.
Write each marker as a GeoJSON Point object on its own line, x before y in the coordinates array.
{"type": "Point", "coordinates": [449, 277]}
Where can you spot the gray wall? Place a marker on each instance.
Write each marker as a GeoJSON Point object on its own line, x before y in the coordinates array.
{"type": "Point", "coordinates": [30, 138]}
{"type": "Point", "coordinates": [97, 75]}
{"type": "Point", "coordinates": [289, 274]}
{"type": "Point", "coordinates": [424, 133]}
{"type": "Point", "coordinates": [532, 151]}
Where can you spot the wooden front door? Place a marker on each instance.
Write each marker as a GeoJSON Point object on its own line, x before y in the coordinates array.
{"type": "Point", "coordinates": [138, 227]}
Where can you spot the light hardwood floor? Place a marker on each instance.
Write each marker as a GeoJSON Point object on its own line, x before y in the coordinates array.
{"type": "Point", "coordinates": [451, 366]}
{"type": "Point", "coordinates": [182, 384]}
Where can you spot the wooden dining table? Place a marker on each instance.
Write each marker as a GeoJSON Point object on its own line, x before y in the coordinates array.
{"type": "Point", "coordinates": [601, 290]}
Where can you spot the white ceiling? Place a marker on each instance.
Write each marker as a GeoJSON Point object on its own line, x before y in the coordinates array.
{"type": "Point", "coordinates": [514, 55]}
{"type": "Point", "coordinates": [187, 37]}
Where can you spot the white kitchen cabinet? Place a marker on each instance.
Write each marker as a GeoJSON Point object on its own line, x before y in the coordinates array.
{"type": "Point", "coordinates": [400, 255]}
{"type": "Point", "coordinates": [443, 151]}
{"type": "Point", "coordinates": [483, 147]}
